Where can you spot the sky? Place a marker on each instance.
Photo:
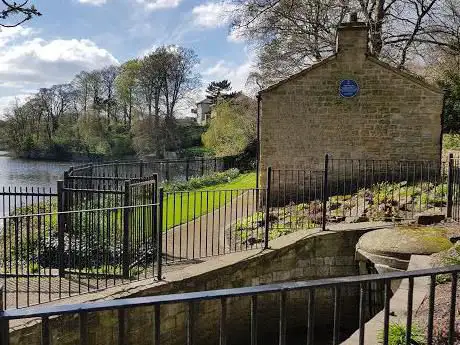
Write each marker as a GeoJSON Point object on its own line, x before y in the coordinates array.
{"type": "Point", "coordinates": [76, 35]}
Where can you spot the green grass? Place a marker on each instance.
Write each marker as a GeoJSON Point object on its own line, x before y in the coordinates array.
{"type": "Point", "coordinates": [397, 335]}
{"type": "Point", "coordinates": [181, 207]}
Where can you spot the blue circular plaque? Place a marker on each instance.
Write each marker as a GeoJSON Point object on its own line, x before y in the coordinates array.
{"type": "Point", "coordinates": [348, 88]}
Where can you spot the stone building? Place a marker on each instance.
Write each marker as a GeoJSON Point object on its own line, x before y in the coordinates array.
{"type": "Point", "coordinates": [351, 106]}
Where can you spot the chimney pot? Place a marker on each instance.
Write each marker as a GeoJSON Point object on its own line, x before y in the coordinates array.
{"type": "Point", "coordinates": [353, 17]}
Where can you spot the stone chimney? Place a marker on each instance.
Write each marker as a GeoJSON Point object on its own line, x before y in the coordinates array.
{"type": "Point", "coordinates": [352, 38]}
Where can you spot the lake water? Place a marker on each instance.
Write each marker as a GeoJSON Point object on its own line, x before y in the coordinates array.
{"type": "Point", "coordinates": [16, 172]}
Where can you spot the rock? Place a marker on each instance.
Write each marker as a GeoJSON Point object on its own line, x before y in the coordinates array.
{"type": "Point", "coordinates": [336, 219]}
{"type": "Point", "coordinates": [428, 219]}
{"type": "Point", "coordinates": [359, 219]}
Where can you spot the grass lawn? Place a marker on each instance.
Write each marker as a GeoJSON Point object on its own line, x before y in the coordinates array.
{"type": "Point", "coordinates": [181, 207]}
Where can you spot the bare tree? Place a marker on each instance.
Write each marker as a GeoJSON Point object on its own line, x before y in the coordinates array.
{"type": "Point", "coordinates": [108, 77]}
{"type": "Point", "coordinates": [18, 13]}
{"type": "Point", "coordinates": [179, 77]}
{"type": "Point", "coordinates": [82, 86]}
{"type": "Point", "coordinates": [292, 34]}
{"type": "Point", "coordinates": [54, 102]}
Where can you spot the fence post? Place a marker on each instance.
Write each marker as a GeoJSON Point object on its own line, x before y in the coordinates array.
{"type": "Point", "coordinates": [141, 168]}
{"type": "Point", "coordinates": [202, 166]}
{"type": "Point", "coordinates": [4, 324]}
{"type": "Point", "coordinates": [160, 232]}
{"type": "Point", "coordinates": [126, 213]}
{"type": "Point", "coordinates": [215, 164]}
{"type": "Point", "coordinates": [61, 225]}
{"type": "Point", "coordinates": [267, 205]}
{"type": "Point", "coordinates": [167, 171]}
{"type": "Point", "coordinates": [450, 185]}
{"type": "Point", "coordinates": [187, 166]}
{"type": "Point", "coordinates": [325, 191]}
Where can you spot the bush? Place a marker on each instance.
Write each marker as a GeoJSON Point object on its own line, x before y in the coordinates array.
{"type": "Point", "coordinates": [204, 181]}
{"type": "Point", "coordinates": [397, 335]}
{"type": "Point", "coordinates": [451, 141]}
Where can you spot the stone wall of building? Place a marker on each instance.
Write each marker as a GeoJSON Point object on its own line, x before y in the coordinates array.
{"type": "Point", "coordinates": [299, 256]}
{"type": "Point", "coordinates": [394, 116]}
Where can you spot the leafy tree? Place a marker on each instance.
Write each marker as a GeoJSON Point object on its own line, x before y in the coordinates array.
{"type": "Point", "coordinates": [451, 84]}
{"type": "Point", "coordinates": [94, 114]}
{"type": "Point", "coordinates": [13, 14]}
{"type": "Point", "coordinates": [126, 87]}
{"type": "Point", "coordinates": [233, 127]}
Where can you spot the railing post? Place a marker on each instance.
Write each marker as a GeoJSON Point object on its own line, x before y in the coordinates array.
{"type": "Point", "coordinates": [187, 167]}
{"type": "Point", "coordinates": [141, 168]}
{"type": "Point", "coordinates": [167, 171]}
{"type": "Point", "coordinates": [450, 186]}
{"type": "Point", "coordinates": [126, 214]}
{"type": "Point", "coordinates": [325, 191]}
{"type": "Point", "coordinates": [116, 168]}
{"type": "Point", "coordinates": [160, 233]}
{"type": "Point", "coordinates": [267, 206]}
{"type": "Point", "coordinates": [4, 324]}
{"type": "Point", "coordinates": [61, 225]}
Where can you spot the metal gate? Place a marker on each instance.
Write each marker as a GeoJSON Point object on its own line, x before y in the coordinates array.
{"type": "Point", "coordinates": [107, 226]}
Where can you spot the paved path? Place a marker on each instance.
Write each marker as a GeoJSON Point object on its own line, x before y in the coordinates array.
{"type": "Point", "coordinates": [211, 234]}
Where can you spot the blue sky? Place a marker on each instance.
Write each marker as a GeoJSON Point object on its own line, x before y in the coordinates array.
{"type": "Point", "coordinates": [75, 35]}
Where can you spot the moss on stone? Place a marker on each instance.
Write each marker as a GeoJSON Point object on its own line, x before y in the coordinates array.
{"type": "Point", "coordinates": [406, 240]}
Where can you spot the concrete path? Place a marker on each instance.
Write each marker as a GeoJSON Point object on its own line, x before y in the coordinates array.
{"type": "Point", "coordinates": [211, 234]}
{"type": "Point", "coordinates": [398, 303]}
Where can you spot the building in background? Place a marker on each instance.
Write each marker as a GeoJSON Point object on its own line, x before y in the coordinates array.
{"type": "Point", "coordinates": [203, 111]}
{"type": "Point", "coordinates": [350, 106]}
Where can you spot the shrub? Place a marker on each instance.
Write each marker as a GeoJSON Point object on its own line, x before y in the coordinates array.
{"type": "Point", "coordinates": [204, 181]}
{"type": "Point", "coordinates": [451, 141]}
{"type": "Point", "coordinates": [397, 335]}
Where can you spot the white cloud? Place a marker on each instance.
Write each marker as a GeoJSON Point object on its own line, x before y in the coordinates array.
{"type": "Point", "coordinates": [35, 63]}
{"type": "Point", "coordinates": [152, 5]}
{"type": "Point", "coordinates": [11, 34]}
{"type": "Point", "coordinates": [213, 14]}
{"type": "Point", "coordinates": [7, 102]}
{"type": "Point", "coordinates": [93, 2]}
{"type": "Point", "coordinates": [236, 36]}
{"type": "Point", "coordinates": [236, 74]}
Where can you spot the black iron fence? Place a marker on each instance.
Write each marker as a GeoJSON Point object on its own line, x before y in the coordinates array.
{"type": "Point", "coordinates": [433, 333]}
{"type": "Point", "coordinates": [26, 200]}
{"type": "Point", "coordinates": [364, 190]}
{"type": "Point", "coordinates": [48, 256]}
{"type": "Point", "coordinates": [199, 224]}
{"type": "Point", "coordinates": [167, 170]}
{"type": "Point", "coordinates": [97, 231]}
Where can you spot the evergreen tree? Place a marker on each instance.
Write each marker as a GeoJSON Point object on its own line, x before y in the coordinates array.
{"type": "Point", "coordinates": [218, 89]}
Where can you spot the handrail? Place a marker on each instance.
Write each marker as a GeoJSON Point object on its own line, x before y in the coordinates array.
{"type": "Point", "coordinates": [46, 311]}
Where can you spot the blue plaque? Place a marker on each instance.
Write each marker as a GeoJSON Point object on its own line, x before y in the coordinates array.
{"type": "Point", "coordinates": [348, 88]}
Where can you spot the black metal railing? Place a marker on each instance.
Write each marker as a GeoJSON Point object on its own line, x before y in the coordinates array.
{"type": "Point", "coordinates": [167, 170]}
{"type": "Point", "coordinates": [48, 256]}
{"type": "Point", "coordinates": [25, 200]}
{"type": "Point", "coordinates": [252, 334]}
{"type": "Point", "coordinates": [204, 223]}
{"type": "Point", "coordinates": [364, 190]}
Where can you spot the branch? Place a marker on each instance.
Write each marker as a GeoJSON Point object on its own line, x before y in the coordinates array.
{"type": "Point", "coordinates": [13, 8]}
